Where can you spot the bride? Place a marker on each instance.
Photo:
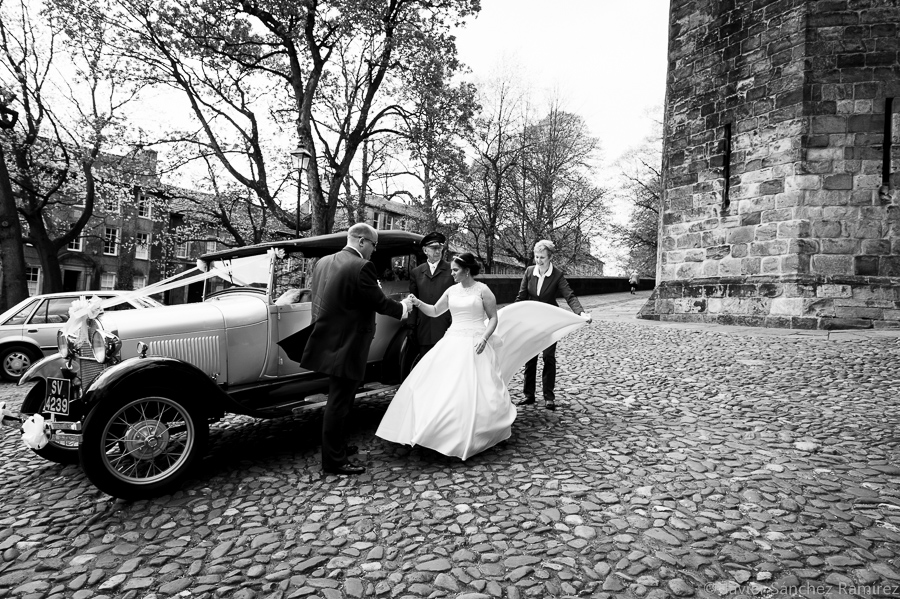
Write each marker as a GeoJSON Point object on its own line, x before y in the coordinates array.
{"type": "Point", "coordinates": [455, 401]}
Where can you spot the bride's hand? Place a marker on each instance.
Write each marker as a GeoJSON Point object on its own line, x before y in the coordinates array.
{"type": "Point", "coordinates": [479, 347]}
{"type": "Point", "coordinates": [413, 300]}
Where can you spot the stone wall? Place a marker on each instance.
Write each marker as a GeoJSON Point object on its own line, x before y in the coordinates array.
{"type": "Point", "coordinates": [779, 209]}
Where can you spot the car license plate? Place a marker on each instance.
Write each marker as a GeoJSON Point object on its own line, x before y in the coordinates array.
{"type": "Point", "coordinates": [57, 401]}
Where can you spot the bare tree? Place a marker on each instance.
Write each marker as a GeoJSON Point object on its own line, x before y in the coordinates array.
{"type": "Point", "coordinates": [236, 60]}
{"type": "Point", "coordinates": [12, 254]}
{"type": "Point", "coordinates": [640, 188]}
{"type": "Point", "coordinates": [60, 168]}
{"type": "Point", "coordinates": [483, 197]}
{"type": "Point", "coordinates": [553, 192]}
{"type": "Point", "coordinates": [438, 119]}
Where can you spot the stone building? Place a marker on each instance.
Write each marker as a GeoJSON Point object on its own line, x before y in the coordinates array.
{"type": "Point", "coordinates": [781, 165]}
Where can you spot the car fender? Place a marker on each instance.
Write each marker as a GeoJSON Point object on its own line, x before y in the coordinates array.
{"type": "Point", "coordinates": [47, 367]}
{"type": "Point", "coordinates": [21, 340]}
{"type": "Point", "coordinates": [136, 373]}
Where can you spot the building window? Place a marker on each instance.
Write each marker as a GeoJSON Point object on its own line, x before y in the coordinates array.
{"type": "Point", "coordinates": [111, 241]}
{"type": "Point", "coordinates": [211, 246]}
{"type": "Point", "coordinates": [144, 206]}
{"type": "Point", "coordinates": [181, 250]}
{"type": "Point", "coordinates": [139, 281]}
{"type": "Point", "coordinates": [377, 220]}
{"type": "Point", "coordinates": [33, 278]}
{"type": "Point", "coordinates": [111, 205]}
{"type": "Point", "coordinates": [107, 281]}
{"type": "Point", "coordinates": [75, 245]}
{"type": "Point", "coordinates": [142, 247]}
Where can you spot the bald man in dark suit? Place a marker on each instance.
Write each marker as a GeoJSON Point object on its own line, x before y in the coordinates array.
{"type": "Point", "coordinates": [345, 298]}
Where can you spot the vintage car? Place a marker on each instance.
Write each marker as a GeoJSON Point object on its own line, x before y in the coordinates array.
{"type": "Point", "coordinates": [132, 397]}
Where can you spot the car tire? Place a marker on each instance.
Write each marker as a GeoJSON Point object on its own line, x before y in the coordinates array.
{"type": "Point", "coordinates": [52, 451]}
{"type": "Point", "coordinates": [15, 360]}
{"type": "Point", "coordinates": [143, 444]}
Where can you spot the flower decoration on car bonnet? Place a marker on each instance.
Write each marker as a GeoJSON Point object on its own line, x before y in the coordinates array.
{"type": "Point", "coordinates": [80, 312]}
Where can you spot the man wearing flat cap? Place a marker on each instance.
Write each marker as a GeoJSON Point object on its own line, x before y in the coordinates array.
{"type": "Point", "coordinates": [428, 282]}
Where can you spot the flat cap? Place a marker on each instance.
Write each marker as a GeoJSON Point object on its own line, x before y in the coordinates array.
{"type": "Point", "coordinates": [434, 237]}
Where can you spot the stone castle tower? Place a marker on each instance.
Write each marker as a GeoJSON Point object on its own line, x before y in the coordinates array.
{"type": "Point", "coordinates": [781, 165]}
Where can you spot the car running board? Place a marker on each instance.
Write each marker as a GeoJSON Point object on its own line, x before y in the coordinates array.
{"type": "Point", "coordinates": [315, 401]}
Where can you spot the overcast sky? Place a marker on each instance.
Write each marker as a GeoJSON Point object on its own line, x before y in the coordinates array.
{"type": "Point", "coordinates": [605, 58]}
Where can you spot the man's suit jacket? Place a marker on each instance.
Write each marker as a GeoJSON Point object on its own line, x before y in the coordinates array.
{"type": "Point", "coordinates": [554, 286]}
{"type": "Point", "coordinates": [345, 298]}
{"type": "Point", "coordinates": [429, 288]}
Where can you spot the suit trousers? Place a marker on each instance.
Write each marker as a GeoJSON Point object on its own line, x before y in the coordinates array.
{"type": "Point", "coordinates": [548, 376]}
{"type": "Point", "coordinates": [341, 393]}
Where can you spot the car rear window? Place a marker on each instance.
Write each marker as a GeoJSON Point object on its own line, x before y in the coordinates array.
{"type": "Point", "coordinates": [20, 316]}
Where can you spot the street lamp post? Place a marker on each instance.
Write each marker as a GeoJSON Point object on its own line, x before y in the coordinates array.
{"type": "Point", "coordinates": [300, 158]}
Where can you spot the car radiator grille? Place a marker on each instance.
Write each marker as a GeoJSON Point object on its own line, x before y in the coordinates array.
{"type": "Point", "coordinates": [90, 368]}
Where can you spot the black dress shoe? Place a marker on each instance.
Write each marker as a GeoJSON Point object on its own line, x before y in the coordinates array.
{"type": "Point", "coordinates": [550, 404]}
{"type": "Point", "coordinates": [352, 449]}
{"type": "Point", "coordinates": [348, 468]}
{"type": "Point", "coordinates": [529, 399]}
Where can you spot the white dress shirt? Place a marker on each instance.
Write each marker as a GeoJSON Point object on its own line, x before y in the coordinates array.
{"type": "Point", "coordinates": [433, 266]}
{"type": "Point", "coordinates": [541, 277]}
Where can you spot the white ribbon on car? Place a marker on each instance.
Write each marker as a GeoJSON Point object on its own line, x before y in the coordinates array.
{"type": "Point", "coordinates": [35, 433]}
{"type": "Point", "coordinates": [83, 309]}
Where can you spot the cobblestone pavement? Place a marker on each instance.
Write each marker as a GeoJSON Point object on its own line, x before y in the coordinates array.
{"type": "Point", "coordinates": [683, 461]}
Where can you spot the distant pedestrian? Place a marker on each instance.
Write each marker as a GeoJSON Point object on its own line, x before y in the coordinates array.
{"type": "Point", "coordinates": [634, 281]}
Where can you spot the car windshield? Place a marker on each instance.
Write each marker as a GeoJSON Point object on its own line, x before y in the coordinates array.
{"type": "Point", "coordinates": [147, 302]}
{"type": "Point", "coordinates": [247, 271]}
{"type": "Point", "coordinates": [16, 314]}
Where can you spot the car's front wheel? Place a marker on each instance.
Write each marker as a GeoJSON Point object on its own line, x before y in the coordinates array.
{"type": "Point", "coordinates": [53, 451]}
{"type": "Point", "coordinates": [15, 361]}
{"type": "Point", "coordinates": [143, 444]}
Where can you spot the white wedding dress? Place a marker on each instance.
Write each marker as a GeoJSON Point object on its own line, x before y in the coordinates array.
{"type": "Point", "coordinates": [456, 401]}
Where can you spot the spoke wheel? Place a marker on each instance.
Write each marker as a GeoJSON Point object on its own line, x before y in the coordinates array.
{"type": "Point", "coordinates": [144, 445]}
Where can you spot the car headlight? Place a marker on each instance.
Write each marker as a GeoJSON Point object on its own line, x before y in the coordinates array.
{"type": "Point", "coordinates": [65, 345]}
{"type": "Point", "coordinates": [105, 345]}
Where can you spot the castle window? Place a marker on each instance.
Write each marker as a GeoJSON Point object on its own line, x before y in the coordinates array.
{"type": "Point", "coordinates": [888, 140]}
{"type": "Point", "coordinates": [726, 169]}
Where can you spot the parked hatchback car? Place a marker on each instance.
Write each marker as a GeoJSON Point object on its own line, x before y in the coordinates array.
{"type": "Point", "coordinates": [131, 395]}
{"type": "Point", "coordinates": [28, 329]}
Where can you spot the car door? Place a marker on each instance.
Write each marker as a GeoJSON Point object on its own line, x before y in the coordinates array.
{"type": "Point", "coordinates": [44, 323]}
